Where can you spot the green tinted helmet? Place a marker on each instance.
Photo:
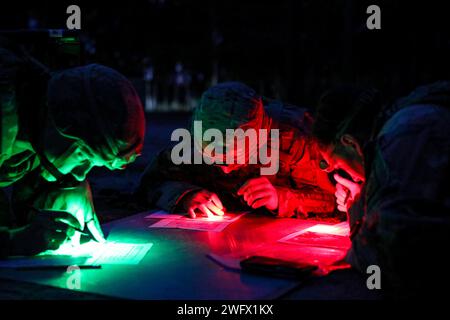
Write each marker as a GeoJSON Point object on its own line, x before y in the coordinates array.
{"type": "Point", "coordinates": [227, 105]}
{"type": "Point", "coordinates": [100, 108]}
{"type": "Point", "coordinates": [230, 105]}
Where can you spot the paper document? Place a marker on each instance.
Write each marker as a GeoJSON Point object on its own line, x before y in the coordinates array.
{"type": "Point", "coordinates": [321, 235]}
{"type": "Point", "coordinates": [119, 253]}
{"type": "Point", "coordinates": [215, 224]}
{"type": "Point", "coordinates": [91, 253]}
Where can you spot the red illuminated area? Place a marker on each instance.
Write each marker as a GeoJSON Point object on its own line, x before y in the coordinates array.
{"type": "Point", "coordinates": [295, 240]}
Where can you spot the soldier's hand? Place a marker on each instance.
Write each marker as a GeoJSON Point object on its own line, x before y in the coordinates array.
{"type": "Point", "coordinates": [259, 192]}
{"type": "Point", "coordinates": [346, 193]}
{"type": "Point", "coordinates": [203, 202]}
{"type": "Point", "coordinates": [46, 231]}
{"type": "Point", "coordinates": [94, 228]}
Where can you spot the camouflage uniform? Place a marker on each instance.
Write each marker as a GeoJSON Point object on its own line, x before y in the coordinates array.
{"type": "Point", "coordinates": [92, 103]}
{"type": "Point", "coordinates": [18, 164]}
{"type": "Point", "coordinates": [15, 162]}
{"type": "Point", "coordinates": [303, 189]}
{"type": "Point", "coordinates": [402, 220]}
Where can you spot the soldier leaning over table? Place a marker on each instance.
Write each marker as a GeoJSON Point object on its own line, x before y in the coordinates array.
{"type": "Point", "coordinates": [298, 189]}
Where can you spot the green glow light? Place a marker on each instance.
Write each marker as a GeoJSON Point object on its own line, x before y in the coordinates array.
{"type": "Point", "coordinates": [109, 252]}
{"type": "Point", "coordinates": [87, 249]}
{"type": "Point", "coordinates": [68, 40]}
{"type": "Point", "coordinates": [75, 200]}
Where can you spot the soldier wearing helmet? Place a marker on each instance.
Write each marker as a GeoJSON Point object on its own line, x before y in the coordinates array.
{"type": "Point", "coordinates": [299, 188]}
{"type": "Point", "coordinates": [54, 128]}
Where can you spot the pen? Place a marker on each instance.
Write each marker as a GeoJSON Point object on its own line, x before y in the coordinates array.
{"type": "Point", "coordinates": [43, 211]}
{"type": "Point", "coordinates": [80, 231]}
{"type": "Point", "coordinates": [62, 267]}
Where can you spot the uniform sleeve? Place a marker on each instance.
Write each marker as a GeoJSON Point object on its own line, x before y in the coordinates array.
{"type": "Point", "coordinates": [76, 200]}
{"type": "Point", "coordinates": [164, 184]}
{"type": "Point", "coordinates": [301, 202]}
{"type": "Point", "coordinates": [406, 227]}
{"type": "Point", "coordinates": [9, 65]}
{"type": "Point", "coordinates": [307, 190]}
{"type": "Point", "coordinates": [9, 68]}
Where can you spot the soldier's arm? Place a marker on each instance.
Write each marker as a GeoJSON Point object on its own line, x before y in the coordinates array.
{"type": "Point", "coordinates": [9, 68]}
{"type": "Point", "coordinates": [165, 184]}
{"type": "Point", "coordinates": [9, 65]}
{"type": "Point", "coordinates": [301, 201]}
{"type": "Point", "coordinates": [307, 189]}
{"type": "Point", "coordinates": [406, 226]}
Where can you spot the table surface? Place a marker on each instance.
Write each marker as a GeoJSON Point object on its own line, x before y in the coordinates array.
{"type": "Point", "coordinates": [177, 266]}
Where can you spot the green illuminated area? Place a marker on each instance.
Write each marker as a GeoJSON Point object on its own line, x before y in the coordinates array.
{"type": "Point", "coordinates": [109, 252]}
{"type": "Point", "coordinates": [75, 200]}
{"type": "Point", "coordinates": [87, 249]}
{"type": "Point", "coordinates": [78, 202]}
{"type": "Point", "coordinates": [78, 160]}
{"type": "Point", "coordinates": [69, 40]}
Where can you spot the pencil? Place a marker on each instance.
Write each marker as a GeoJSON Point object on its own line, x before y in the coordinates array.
{"type": "Point", "coordinates": [61, 267]}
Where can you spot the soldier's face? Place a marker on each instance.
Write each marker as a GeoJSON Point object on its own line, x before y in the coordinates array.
{"type": "Point", "coordinates": [232, 154]}
{"type": "Point", "coordinates": [338, 156]}
{"type": "Point", "coordinates": [77, 161]}
{"type": "Point", "coordinates": [228, 168]}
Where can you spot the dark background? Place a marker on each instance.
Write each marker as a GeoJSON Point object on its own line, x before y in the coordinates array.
{"type": "Point", "coordinates": [289, 49]}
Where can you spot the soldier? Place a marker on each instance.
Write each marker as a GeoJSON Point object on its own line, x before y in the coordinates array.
{"type": "Point", "coordinates": [54, 128]}
{"type": "Point", "coordinates": [397, 160]}
{"type": "Point", "coordinates": [299, 188]}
